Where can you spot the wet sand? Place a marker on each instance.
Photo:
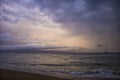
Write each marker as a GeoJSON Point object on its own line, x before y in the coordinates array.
{"type": "Point", "coordinates": [18, 75]}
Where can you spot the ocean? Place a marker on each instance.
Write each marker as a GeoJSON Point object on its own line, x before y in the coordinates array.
{"type": "Point", "coordinates": [98, 65]}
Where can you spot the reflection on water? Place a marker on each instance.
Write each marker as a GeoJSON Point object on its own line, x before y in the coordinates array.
{"type": "Point", "coordinates": [100, 65]}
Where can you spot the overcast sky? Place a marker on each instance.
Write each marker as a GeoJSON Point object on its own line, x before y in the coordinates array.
{"type": "Point", "coordinates": [82, 25]}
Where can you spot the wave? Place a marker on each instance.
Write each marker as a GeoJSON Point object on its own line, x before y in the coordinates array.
{"type": "Point", "coordinates": [97, 73]}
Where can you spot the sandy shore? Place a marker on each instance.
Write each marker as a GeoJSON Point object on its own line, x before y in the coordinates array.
{"type": "Point", "coordinates": [18, 75]}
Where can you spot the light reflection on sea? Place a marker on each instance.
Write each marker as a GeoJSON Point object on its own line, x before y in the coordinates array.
{"type": "Point", "coordinates": [88, 65]}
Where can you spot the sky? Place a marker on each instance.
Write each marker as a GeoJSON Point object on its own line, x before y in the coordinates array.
{"type": "Point", "coordinates": [72, 25]}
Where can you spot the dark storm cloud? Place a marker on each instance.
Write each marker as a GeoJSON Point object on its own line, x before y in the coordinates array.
{"type": "Point", "coordinates": [108, 11]}
{"type": "Point", "coordinates": [98, 19]}
{"type": "Point", "coordinates": [82, 17]}
{"type": "Point", "coordinates": [92, 14]}
{"type": "Point", "coordinates": [96, 13]}
{"type": "Point", "coordinates": [62, 9]}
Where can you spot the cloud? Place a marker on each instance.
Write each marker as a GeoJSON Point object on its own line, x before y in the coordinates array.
{"type": "Point", "coordinates": [37, 48]}
{"type": "Point", "coordinates": [97, 20]}
{"type": "Point", "coordinates": [100, 45]}
{"type": "Point", "coordinates": [8, 39]}
{"type": "Point", "coordinates": [82, 23]}
{"type": "Point", "coordinates": [6, 36]}
{"type": "Point", "coordinates": [74, 14]}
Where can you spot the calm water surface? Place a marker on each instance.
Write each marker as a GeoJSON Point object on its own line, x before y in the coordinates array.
{"type": "Point", "coordinates": [85, 65]}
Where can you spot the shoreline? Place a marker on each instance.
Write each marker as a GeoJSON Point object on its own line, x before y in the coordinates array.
{"type": "Point", "coordinates": [6, 74]}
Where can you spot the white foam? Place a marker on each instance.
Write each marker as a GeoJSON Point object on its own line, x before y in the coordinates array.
{"type": "Point", "coordinates": [98, 73]}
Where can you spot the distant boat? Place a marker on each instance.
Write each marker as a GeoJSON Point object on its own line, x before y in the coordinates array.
{"type": "Point", "coordinates": [106, 52]}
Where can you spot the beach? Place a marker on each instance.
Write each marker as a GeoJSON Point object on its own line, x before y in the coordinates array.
{"type": "Point", "coordinates": [18, 75]}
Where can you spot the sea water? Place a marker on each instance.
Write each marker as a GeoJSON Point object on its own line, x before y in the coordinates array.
{"type": "Point", "coordinates": [98, 65]}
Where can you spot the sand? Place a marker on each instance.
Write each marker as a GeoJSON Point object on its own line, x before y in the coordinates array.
{"type": "Point", "coordinates": [18, 75]}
